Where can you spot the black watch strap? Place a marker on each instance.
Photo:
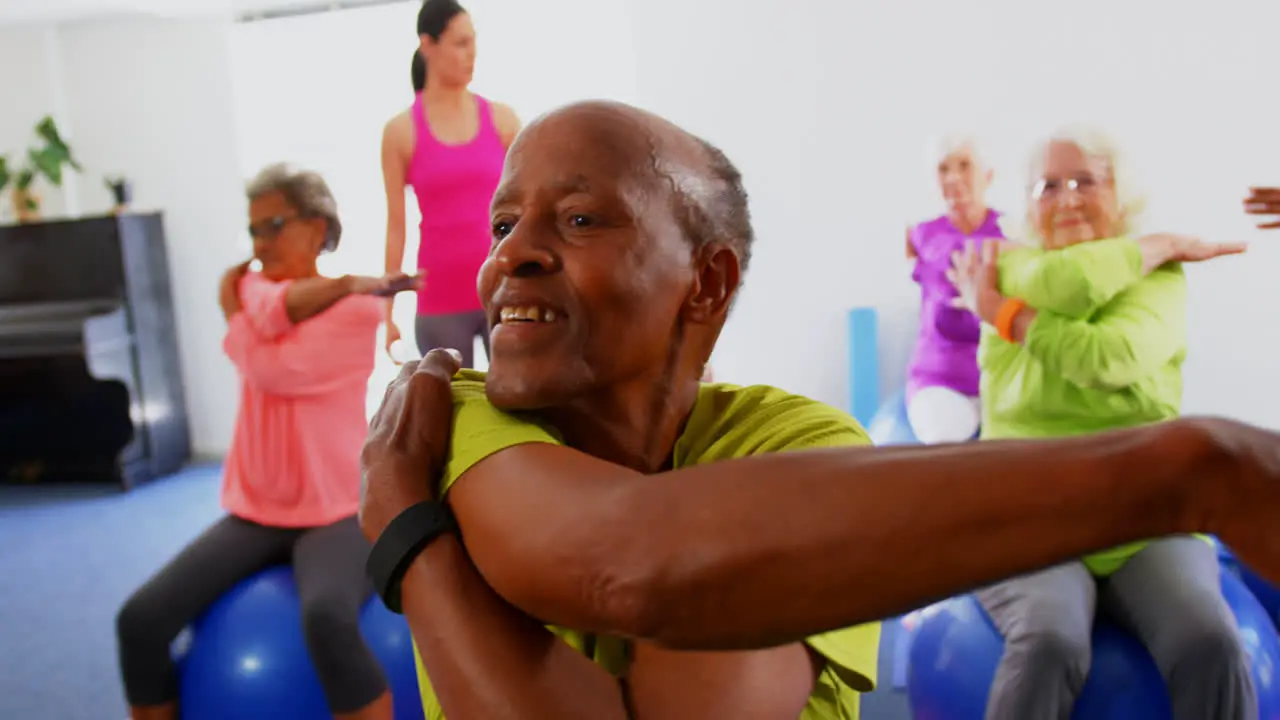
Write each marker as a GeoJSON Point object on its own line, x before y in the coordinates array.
{"type": "Point", "coordinates": [401, 542]}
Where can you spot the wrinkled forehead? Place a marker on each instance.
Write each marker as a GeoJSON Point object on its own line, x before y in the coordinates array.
{"type": "Point", "coordinates": [597, 150]}
{"type": "Point", "coordinates": [1065, 158]}
{"type": "Point", "coordinates": [269, 204]}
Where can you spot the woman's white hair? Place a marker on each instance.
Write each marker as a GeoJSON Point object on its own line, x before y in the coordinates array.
{"type": "Point", "coordinates": [944, 146]}
{"type": "Point", "coordinates": [1100, 149]}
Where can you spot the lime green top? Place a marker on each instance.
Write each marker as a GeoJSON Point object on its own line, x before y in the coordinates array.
{"type": "Point", "coordinates": [1105, 350]}
{"type": "Point", "coordinates": [727, 422]}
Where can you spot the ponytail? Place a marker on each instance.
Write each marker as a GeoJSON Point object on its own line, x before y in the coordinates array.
{"type": "Point", "coordinates": [418, 72]}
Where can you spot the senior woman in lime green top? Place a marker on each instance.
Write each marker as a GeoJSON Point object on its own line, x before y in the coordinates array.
{"type": "Point", "coordinates": [1084, 332]}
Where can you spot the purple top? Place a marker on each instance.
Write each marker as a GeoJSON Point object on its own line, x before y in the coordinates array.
{"type": "Point", "coordinates": [946, 351]}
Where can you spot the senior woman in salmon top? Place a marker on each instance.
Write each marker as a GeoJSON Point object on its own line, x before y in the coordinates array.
{"type": "Point", "coordinates": [304, 347]}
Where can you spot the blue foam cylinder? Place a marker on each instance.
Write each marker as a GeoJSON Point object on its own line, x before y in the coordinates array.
{"type": "Point", "coordinates": [864, 364]}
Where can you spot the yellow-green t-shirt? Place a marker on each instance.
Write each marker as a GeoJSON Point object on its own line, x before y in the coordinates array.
{"type": "Point", "coordinates": [727, 422]}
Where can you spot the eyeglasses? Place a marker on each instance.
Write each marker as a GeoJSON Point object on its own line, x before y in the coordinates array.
{"type": "Point", "coordinates": [1051, 188]}
{"type": "Point", "coordinates": [271, 228]}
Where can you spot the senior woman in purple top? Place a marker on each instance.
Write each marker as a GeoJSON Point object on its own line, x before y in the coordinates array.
{"type": "Point", "coordinates": [942, 376]}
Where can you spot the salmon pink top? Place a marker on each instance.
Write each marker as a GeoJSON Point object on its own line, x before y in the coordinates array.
{"type": "Point", "coordinates": [295, 457]}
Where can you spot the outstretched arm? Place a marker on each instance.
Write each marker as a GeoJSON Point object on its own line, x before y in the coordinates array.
{"type": "Point", "coordinates": [308, 359]}
{"type": "Point", "coordinates": [581, 543]}
{"type": "Point", "coordinates": [273, 309]}
{"type": "Point", "coordinates": [308, 297]}
{"type": "Point", "coordinates": [1073, 281]}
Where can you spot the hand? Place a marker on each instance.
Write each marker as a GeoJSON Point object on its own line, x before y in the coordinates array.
{"type": "Point", "coordinates": [393, 337]}
{"type": "Point", "coordinates": [1264, 201]}
{"type": "Point", "coordinates": [975, 276]}
{"type": "Point", "coordinates": [408, 440]}
{"type": "Point", "coordinates": [1161, 248]}
{"type": "Point", "coordinates": [229, 289]}
{"type": "Point", "coordinates": [385, 286]}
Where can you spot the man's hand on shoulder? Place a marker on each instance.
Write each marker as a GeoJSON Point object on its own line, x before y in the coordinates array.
{"type": "Point", "coordinates": [408, 440]}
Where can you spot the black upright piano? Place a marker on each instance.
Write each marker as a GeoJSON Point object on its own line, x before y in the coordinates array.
{"type": "Point", "coordinates": [90, 382]}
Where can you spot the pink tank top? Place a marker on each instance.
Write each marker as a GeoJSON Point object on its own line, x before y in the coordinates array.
{"type": "Point", "coordinates": [454, 185]}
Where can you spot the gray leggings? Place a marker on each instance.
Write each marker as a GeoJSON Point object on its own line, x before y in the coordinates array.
{"type": "Point", "coordinates": [1169, 595]}
{"type": "Point", "coordinates": [455, 330]}
{"type": "Point", "coordinates": [328, 564]}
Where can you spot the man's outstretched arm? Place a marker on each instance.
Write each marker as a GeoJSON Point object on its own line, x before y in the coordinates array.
{"type": "Point", "coordinates": [769, 550]}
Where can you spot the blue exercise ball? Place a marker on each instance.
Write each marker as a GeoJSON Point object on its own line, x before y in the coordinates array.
{"type": "Point", "coordinates": [248, 660]}
{"type": "Point", "coordinates": [1268, 595]}
{"type": "Point", "coordinates": [956, 649]}
{"type": "Point", "coordinates": [890, 425]}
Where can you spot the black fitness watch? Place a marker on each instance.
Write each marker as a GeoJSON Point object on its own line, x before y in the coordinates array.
{"type": "Point", "coordinates": [401, 542]}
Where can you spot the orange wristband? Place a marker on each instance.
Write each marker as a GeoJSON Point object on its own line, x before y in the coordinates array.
{"type": "Point", "coordinates": [1009, 310]}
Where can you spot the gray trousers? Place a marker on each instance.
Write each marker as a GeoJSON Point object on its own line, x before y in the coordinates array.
{"type": "Point", "coordinates": [328, 564]}
{"type": "Point", "coordinates": [1169, 595]}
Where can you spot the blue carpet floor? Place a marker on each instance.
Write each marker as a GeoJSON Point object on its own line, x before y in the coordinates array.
{"type": "Point", "coordinates": [70, 555]}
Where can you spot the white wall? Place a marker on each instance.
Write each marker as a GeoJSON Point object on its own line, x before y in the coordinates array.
{"type": "Point", "coordinates": [316, 90]}
{"type": "Point", "coordinates": [31, 88]}
{"type": "Point", "coordinates": [151, 99]}
{"type": "Point", "coordinates": [826, 107]}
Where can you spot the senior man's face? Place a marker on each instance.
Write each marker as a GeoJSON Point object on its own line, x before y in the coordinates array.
{"type": "Point", "coordinates": [589, 268]}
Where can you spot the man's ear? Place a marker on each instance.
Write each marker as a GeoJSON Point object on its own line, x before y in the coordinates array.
{"type": "Point", "coordinates": [717, 274]}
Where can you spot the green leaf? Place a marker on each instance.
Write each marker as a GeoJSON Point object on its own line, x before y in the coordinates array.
{"type": "Point", "coordinates": [31, 203]}
{"type": "Point", "coordinates": [47, 129]}
{"type": "Point", "coordinates": [49, 163]}
{"type": "Point", "coordinates": [5, 175]}
{"type": "Point", "coordinates": [25, 177]}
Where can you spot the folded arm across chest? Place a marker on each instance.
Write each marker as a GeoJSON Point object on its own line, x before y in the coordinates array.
{"type": "Point", "coordinates": [1131, 338]}
{"type": "Point", "coordinates": [1075, 281]}
{"type": "Point", "coordinates": [297, 339]}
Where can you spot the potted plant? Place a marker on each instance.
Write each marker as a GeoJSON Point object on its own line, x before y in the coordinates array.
{"type": "Point", "coordinates": [121, 192]}
{"type": "Point", "coordinates": [47, 160]}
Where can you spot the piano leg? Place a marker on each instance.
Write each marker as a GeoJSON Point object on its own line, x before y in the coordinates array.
{"type": "Point", "coordinates": [77, 434]}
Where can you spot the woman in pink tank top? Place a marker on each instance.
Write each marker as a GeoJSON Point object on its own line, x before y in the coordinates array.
{"type": "Point", "coordinates": [449, 147]}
